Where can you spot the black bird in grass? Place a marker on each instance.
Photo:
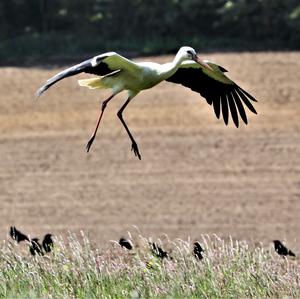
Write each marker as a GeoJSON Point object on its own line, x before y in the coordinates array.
{"type": "Point", "coordinates": [17, 235]}
{"type": "Point", "coordinates": [198, 250]}
{"type": "Point", "coordinates": [125, 243]}
{"type": "Point", "coordinates": [35, 247]}
{"type": "Point", "coordinates": [158, 252]}
{"type": "Point", "coordinates": [281, 249]}
{"type": "Point", "coordinates": [48, 243]}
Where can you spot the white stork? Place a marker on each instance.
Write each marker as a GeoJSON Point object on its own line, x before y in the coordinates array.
{"type": "Point", "coordinates": [119, 73]}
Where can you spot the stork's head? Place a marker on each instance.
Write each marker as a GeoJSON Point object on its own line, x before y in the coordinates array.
{"type": "Point", "coordinates": [188, 53]}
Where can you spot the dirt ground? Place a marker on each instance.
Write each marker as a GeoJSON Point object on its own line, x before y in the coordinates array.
{"type": "Point", "coordinates": [196, 176]}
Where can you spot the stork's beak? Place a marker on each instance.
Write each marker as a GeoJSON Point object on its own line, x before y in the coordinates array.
{"type": "Point", "coordinates": [202, 63]}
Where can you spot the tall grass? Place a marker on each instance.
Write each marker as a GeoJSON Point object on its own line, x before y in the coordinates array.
{"type": "Point", "coordinates": [76, 269]}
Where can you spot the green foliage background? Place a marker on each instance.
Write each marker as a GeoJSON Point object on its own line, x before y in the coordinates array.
{"type": "Point", "coordinates": [34, 29]}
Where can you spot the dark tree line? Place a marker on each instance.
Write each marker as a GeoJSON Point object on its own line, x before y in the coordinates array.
{"type": "Point", "coordinates": [77, 26]}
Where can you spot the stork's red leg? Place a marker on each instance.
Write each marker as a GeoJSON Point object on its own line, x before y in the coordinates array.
{"type": "Point", "coordinates": [134, 146]}
{"type": "Point", "coordinates": [104, 104]}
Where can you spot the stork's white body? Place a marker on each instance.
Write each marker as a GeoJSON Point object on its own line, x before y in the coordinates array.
{"type": "Point", "coordinates": [146, 75]}
{"type": "Point", "coordinates": [119, 73]}
{"type": "Point", "coordinates": [135, 76]}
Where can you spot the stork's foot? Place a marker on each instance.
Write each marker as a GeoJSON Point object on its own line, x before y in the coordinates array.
{"type": "Point", "coordinates": [89, 144]}
{"type": "Point", "coordinates": [135, 149]}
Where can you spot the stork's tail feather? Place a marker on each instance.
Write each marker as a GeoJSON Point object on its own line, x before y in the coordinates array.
{"type": "Point", "coordinates": [91, 83]}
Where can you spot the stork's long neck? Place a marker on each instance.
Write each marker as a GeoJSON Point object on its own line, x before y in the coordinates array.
{"type": "Point", "coordinates": [170, 68]}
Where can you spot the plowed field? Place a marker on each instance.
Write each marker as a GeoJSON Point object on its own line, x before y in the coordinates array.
{"type": "Point", "coordinates": [196, 175]}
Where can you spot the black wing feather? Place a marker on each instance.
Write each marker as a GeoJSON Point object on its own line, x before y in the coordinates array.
{"type": "Point", "coordinates": [248, 95]}
{"type": "Point", "coordinates": [233, 110]}
{"type": "Point", "coordinates": [240, 107]}
{"type": "Point", "coordinates": [216, 92]}
{"type": "Point", "coordinates": [222, 69]}
{"type": "Point", "coordinates": [246, 100]}
{"type": "Point", "coordinates": [86, 66]}
{"type": "Point", "coordinates": [224, 108]}
{"type": "Point", "coordinates": [210, 100]}
{"type": "Point", "coordinates": [217, 103]}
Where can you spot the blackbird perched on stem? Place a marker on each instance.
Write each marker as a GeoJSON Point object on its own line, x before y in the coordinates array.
{"type": "Point", "coordinates": [281, 249]}
{"type": "Point", "coordinates": [198, 251]}
{"type": "Point", "coordinates": [48, 243]}
{"type": "Point", "coordinates": [35, 247]}
{"type": "Point", "coordinates": [125, 243]}
{"type": "Point", "coordinates": [17, 235]}
{"type": "Point", "coordinates": [159, 252]}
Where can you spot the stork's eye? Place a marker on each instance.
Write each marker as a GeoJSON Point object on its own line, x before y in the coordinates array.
{"type": "Point", "coordinates": [190, 54]}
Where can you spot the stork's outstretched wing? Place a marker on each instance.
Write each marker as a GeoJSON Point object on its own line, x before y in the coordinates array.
{"type": "Point", "coordinates": [216, 88]}
{"type": "Point", "coordinates": [100, 65]}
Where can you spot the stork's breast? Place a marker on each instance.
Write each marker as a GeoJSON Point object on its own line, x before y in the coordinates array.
{"type": "Point", "coordinates": [150, 79]}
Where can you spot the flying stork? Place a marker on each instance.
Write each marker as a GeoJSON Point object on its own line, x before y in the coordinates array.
{"type": "Point", "coordinates": [119, 73]}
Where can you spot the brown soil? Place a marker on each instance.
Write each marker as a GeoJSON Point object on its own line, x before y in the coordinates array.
{"type": "Point", "coordinates": [196, 175]}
